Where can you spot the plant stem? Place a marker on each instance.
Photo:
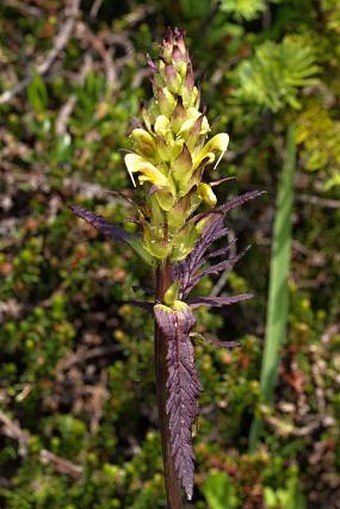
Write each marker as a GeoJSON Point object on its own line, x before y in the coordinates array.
{"type": "Point", "coordinates": [172, 483]}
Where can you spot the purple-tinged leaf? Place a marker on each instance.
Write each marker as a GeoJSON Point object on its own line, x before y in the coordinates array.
{"type": "Point", "coordinates": [215, 341]}
{"type": "Point", "coordinates": [224, 344]}
{"type": "Point", "coordinates": [113, 231]}
{"type": "Point", "coordinates": [218, 302]}
{"type": "Point", "coordinates": [143, 304]}
{"type": "Point", "coordinates": [125, 198]}
{"type": "Point", "coordinates": [218, 182]}
{"type": "Point", "coordinates": [231, 205]}
{"type": "Point", "coordinates": [223, 250]}
{"type": "Point", "coordinates": [148, 290]}
{"type": "Point", "coordinates": [239, 200]}
{"type": "Point", "coordinates": [225, 265]}
{"type": "Point", "coordinates": [187, 270]}
{"type": "Point", "coordinates": [183, 387]}
{"type": "Point", "coordinates": [98, 222]}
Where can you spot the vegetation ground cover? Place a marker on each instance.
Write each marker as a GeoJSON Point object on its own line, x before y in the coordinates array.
{"type": "Point", "coordinates": [78, 423]}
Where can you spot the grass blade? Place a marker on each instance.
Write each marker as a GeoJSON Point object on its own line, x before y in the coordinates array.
{"type": "Point", "coordinates": [278, 296]}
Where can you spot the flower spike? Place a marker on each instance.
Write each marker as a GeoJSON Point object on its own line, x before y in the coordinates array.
{"type": "Point", "coordinates": [179, 221]}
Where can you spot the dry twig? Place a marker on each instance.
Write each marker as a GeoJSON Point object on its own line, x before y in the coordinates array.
{"type": "Point", "coordinates": [13, 430]}
{"type": "Point", "coordinates": [59, 43]}
{"type": "Point", "coordinates": [27, 10]}
{"type": "Point", "coordinates": [321, 202]}
{"type": "Point", "coordinates": [82, 356]}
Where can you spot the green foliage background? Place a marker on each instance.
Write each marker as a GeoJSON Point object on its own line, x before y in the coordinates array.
{"type": "Point", "coordinates": [78, 423]}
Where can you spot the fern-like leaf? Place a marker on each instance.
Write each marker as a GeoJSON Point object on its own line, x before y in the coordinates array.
{"type": "Point", "coordinates": [183, 386]}
{"type": "Point", "coordinates": [114, 232]}
{"type": "Point", "coordinates": [272, 77]}
{"type": "Point", "coordinates": [243, 9]}
{"type": "Point", "coordinates": [98, 222]}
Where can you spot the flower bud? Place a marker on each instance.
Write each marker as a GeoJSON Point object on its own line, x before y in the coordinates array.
{"type": "Point", "coordinates": [164, 153]}
{"type": "Point", "coordinates": [178, 117]}
{"type": "Point", "coordinates": [165, 199]}
{"type": "Point", "coordinates": [162, 126]}
{"type": "Point", "coordinates": [171, 295]}
{"type": "Point", "coordinates": [183, 242]}
{"type": "Point", "coordinates": [189, 78]}
{"type": "Point", "coordinates": [192, 115]}
{"type": "Point", "coordinates": [190, 97]}
{"type": "Point", "coordinates": [154, 242]}
{"type": "Point", "coordinates": [182, 170]}
{"type": "Point", "coordinates": [144, 142]}
{"type": "Point", "coordinates": [195, 134]}
{"type": "Point", "coordinates": [172, 79]}
{"type": "Point", "coordinates": [206, 194]}
{"type": "Point", "coordinates": [180, 63]}
{"type": "Point", "coordinates": [166, 102]}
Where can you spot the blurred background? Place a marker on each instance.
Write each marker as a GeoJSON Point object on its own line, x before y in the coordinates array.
{"type": "Point", "coordinates": [78, 420]}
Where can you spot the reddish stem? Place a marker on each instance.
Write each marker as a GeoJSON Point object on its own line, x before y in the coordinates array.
{"type": "Point", "coordinates": [172, 483]}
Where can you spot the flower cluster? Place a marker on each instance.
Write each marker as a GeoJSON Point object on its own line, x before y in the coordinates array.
{"type": "Point", "coordinates": [171, 153]}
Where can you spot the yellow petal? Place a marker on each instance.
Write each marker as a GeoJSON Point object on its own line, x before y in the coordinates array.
{"type": "Point", "coordinates": [149, 172]}
{"type": "Point", "coordinates": [217, 145]}
{"type": "Point", "coordinates": [188, 124]}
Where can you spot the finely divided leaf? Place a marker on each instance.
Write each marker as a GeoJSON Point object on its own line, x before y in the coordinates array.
{"type": "Point", "coordinates": [115, 232]}
{"type": "Point", "coordinates": [187, 271]}
{"type": "Point", "coordinates": [218, 302]}
{"type": "Point", "coordinates": [183, 387]}
{"type": "Point", "coordinates": [225, 265]}
{"type": "Point", "coordinates": [98, 222]}
{"type": "Point", "coordinates": [231, 205]}
{"type": "Point", "coordinates": [240, 200]}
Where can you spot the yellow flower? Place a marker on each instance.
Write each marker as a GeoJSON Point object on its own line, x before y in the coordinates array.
{"type": "Point", "coordinates": [148, 172]}
{"type": "Point", "coordinates": [215, 147]}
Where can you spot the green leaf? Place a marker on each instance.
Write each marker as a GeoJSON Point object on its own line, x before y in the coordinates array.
{"type": "Point", "coordinates": [287, 497]}
{"type": "Point", "coordinates": [278, 297]}
{"type": "Point", "coordinates": [138, 247]}
{"type": "Point", "coordinates": [37, 94]}
{"type": "Point", "coordinates": [243, 9]}
{"type": "Point", "coordinates": [272, 77]}
{"type": "Point", "coordinates": [219, 491]}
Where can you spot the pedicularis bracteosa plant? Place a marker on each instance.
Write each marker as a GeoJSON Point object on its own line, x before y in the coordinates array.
{"type": "Point", "coordinates": [179, 221]}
